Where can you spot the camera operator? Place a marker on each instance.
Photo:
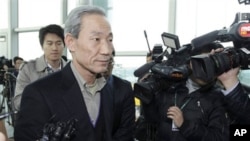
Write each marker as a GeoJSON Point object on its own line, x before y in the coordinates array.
{"type": "Point", "coordinates": [189, 110]}
{"type": "Point", "coordinates": [237, 101]}
{"type": "Point", "coordinates": [236, 96]}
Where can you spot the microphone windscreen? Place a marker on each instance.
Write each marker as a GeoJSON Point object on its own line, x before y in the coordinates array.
{"type": "Point", "coordinates": [143, 69]}
{"type": "Point", "coordinates": [202, 40]}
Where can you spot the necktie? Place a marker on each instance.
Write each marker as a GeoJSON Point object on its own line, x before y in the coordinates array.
{"type": "Point", "coordinates": [49, 70]}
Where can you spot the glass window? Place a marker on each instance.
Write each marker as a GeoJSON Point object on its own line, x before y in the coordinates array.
{"type": "Point", "coordinates": [71, 4]}
{"type": "Point", "coordinates": [4, 14]}
{"type": "Point", "coordinates": [39, 12]}
{"type": "Point", "coordinates": [29, 46]}
{"type": "Point", "coordinates": [130, 18]}
{"type": "Point", "coordinates": [125, 69]}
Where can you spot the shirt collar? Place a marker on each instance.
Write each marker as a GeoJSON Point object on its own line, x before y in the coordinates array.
{"type": "Point", "coordinates": [100, 82]}
{"type": "Point", "coordinates": [54, 69]}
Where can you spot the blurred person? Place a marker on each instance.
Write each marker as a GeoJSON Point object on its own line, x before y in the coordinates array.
{"type": "Point", "coordinates": [188, 110]}
{"type": "Point", "coordinates": [17, 62]}
{"type": "Point", "coordinates": [105, 111]}
{"type": "Point", "coordinates": [51, 38]}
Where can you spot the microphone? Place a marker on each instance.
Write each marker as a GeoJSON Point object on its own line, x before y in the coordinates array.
{"type": "Point", "coordinates": [202, 40]}
{"type": "Point", "coordinates": [4, 115]}
{"type": "Point", "coordinates": [59, 131]}
{"type": "Point", "coordinates": [143, 69]}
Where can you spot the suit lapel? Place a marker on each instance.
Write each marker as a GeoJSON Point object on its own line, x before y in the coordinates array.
{"type": "Point", "coordinates": [74, 101]}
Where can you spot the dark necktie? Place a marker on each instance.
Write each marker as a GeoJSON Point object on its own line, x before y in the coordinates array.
{"type": "Point", "coordinates": [49, 70]}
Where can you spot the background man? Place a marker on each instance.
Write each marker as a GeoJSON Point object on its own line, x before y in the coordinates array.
{"type": "Point", "coordinates": [17, 62]}
{"type": "Point", "coordinates": [51, 39]}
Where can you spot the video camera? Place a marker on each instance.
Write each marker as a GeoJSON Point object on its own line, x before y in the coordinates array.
{"type": "Point", "coordinates": [163, 73]}
{"type": "Point", "coordinates": [206, 67]}
{"type": "Point", "coordinates": [4, 62]}
{"type": "Point", "coordinates": [174, 71]}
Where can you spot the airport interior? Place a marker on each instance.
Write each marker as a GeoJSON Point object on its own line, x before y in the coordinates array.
{"type": "Point", "coordinates": [137, 26]}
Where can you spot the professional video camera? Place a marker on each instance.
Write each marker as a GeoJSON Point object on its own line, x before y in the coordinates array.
{"type": "Point", "coordinates": [8, 80]}
{"type": "Point", "coordinates": [8, 63]}
{"type": "Point", "coordinates": [163, 74]}
{"type": "Point", "coordinates": [206, 67]}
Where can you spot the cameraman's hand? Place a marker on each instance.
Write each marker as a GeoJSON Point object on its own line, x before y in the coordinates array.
{"type": "Point", "coordinates": [229, 78]}
{"type": "Point", "coordinates": [213, 51]}
{"type": "Point", "coordinates": [176, 115]}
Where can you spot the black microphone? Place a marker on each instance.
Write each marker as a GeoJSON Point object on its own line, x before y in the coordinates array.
{"type": "Point", "coordinates": [202, 40]}
{"type": "Point", "coordinates": [143, 69]}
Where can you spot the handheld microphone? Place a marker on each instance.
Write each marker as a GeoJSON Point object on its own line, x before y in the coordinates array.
{"type": "Point", "coordinates": [143, 69]}
{"type": "Point", "coordinates": [202, 40]}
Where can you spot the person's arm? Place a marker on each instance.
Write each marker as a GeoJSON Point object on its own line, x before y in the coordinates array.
{"type": "Point", "coordinates": [32, 117]}
{"type": "Point", "coordinates": [23, 79]}
{"type": "Point", "coordinates": [237, 101]}
{"type": "Point", "coordinates": [229, 79]}
{"type": "Point", "coordinates": [238, 105]}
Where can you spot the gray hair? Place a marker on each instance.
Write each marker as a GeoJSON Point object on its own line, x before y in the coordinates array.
{"type": "Point", "coordinates": [73, 21]}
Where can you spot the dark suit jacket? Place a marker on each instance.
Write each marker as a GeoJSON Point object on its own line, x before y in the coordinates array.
{"type": "Point", "coordinates": [59, 94]}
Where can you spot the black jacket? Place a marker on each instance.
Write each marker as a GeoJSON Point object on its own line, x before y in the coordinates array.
{"type": "Point", "coordinates": [59, 94]}
{"type": "Point", "coordinates": [237, 103]}
{"type": "Point", "coordinates": [204, 115]}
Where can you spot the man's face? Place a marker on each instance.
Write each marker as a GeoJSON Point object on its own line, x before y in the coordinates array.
{"type": "Point", "coordinates": [93, 48]}
{"type": "Point", "coordinates": [18, 63]}
{"type": "Point", "coordinates": [53, 47]}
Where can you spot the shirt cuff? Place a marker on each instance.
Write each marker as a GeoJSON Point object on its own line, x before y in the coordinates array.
{"type": "Point", "coordinates": [226, 92]}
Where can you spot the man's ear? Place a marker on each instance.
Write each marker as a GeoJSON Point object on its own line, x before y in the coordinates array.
{"type": "Point", "coordinates": [69, 42]}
